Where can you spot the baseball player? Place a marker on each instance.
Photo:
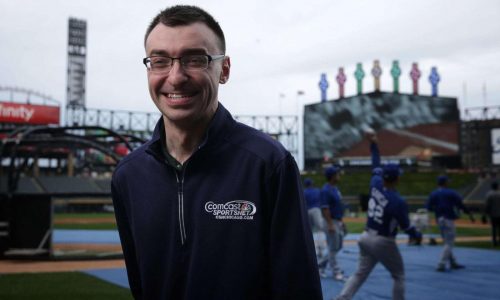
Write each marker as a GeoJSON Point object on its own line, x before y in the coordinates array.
{"type": "Point", "coordinates": [445, 203]}
{"type": "Point", "coordinates": [333, 212]}
{"type": "Point", "coordinates": [312, 197]}
{"type": "Point", "coordinates": [386, 211]}
{"type": "Point", "coordinates": [492, 209]}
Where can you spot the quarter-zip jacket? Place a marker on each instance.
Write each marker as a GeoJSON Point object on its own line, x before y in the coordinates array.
{"type": "Point", "coordinates": [231, 225]}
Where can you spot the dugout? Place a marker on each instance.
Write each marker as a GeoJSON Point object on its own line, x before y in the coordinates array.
{"type": "Point", "coordinates": [44, 166]}
{"type": "Point", "coordinates": [26, 215]}
{"type": "Point", "coordinates": [27, 226]}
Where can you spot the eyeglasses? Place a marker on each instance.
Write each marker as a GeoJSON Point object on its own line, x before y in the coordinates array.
{"type": "Point", "coordinates": [192, 62]}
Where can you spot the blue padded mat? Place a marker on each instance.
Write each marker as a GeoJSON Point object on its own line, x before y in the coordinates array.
{"type": "Point", "coordinates": [116, 276]}
{"type": "Point", "coordinates": [85, 236]}
{"type": "Point", "coordinates": [112, 237]}
{"type": "Point", "coordinates": [479, 280]}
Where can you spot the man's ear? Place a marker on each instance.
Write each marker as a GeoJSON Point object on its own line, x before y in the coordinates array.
{"type": "Point", "coordinates": [226, 67]}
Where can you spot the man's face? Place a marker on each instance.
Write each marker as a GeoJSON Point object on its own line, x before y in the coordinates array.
{"type": "Point", "coordinates": [186, 97]}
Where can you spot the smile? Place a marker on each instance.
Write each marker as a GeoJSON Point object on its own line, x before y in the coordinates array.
{"type": "Point", "coordinates": [178, 96]}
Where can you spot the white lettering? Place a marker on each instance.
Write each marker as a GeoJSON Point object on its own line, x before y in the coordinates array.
{"type": "Point", "coordinates": [20, 112]}
{"type": "Point", "coordinates": [233, 210]}
{"type": "Point", "coordinates": [376, 205]}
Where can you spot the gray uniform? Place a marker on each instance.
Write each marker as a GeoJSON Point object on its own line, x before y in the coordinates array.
{"type": "Point", "coordinates": [448, 233]}
{"type": "Point", "coordinates": [374, 248]}
{"type": "Point", "coordinates": [335, 242]}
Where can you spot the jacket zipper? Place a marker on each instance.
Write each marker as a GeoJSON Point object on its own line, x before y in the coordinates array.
{"type": "Point", "coordinates": [180, 200]}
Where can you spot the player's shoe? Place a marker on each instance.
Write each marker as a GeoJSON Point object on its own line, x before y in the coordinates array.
{"type": "Point", "coordinates": [441, 268]}
{"type": "Point", "coordinates": [339, 276]}
{"type": "Point", "coordinates": [456, 266]}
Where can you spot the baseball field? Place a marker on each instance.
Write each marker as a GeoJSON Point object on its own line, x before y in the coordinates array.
{"type": "Point", "coordinates": [66, 279]}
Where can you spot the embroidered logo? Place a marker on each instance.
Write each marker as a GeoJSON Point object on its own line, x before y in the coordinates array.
{"type": "Point", "coordinates": [232, 210]}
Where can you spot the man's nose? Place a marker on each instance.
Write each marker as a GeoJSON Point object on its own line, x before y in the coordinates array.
{"type": "Point", "coordinates": [177, 74]}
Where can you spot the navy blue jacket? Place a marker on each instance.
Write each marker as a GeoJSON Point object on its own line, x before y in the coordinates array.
{"type": "Point", "coordinates": [231, 225]}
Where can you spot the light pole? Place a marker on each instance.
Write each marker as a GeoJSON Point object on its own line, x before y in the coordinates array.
{"type": "Point", "coordinates": [300, 130]}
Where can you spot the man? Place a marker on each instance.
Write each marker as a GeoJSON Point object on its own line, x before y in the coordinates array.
{"type": "Point", "coordinates": [208, 208]}
{"type": "Point", "coordinates": [312, 197]}
{"type": "Point", "coordinates": [445, 203]}
{"type": "Point", "coordinates": [492, 210]}
{"type": "Point", "coordinates": [333, 212]}
{"type": "Point", "coordinates": [386, 210]}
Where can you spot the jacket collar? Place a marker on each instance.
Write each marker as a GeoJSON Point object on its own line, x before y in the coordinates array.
{"type": "Point", "coordinates": [217, 129]}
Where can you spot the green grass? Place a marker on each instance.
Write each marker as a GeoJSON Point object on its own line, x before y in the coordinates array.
{"type": "Point", "coordinates": [87, 216]}
{"type": "Point", "coordinates": [355, 227]}
{"type": "Point", "coordinates": [83, 215]}
{"type": "Point", "coordinates": [95, 226]}
{"type": "Point", "coordinates": [358, 227]}
{"type": "Point", "coordinates": [478, 245]}
{"type": "Point", "coordinates": [463, 231]}
{"type": "Point", "coordinates": [59, 286]}
{"type": "Point", "coordinates": [411, 183]}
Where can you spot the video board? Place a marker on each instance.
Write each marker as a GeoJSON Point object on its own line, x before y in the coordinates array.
{"type": "Point", "coordinates": [334, 126]}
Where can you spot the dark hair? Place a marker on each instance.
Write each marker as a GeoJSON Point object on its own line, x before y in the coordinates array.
{"type": "Point", "coordinates": [391, 172]}
{"type": "Point", "coordinates": [494, 185]}
{"type": "Point", "coordinates": [179, 15]}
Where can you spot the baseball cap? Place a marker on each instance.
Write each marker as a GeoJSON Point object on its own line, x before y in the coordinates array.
{"type": "Point", "coordinates": [330, 171]}
{"type": "Point", "coordinates": [391, 172]}
{"type": "Point", "coordinates": [308, 182]}
{"type": "Point", "coordinates": [442, 179]}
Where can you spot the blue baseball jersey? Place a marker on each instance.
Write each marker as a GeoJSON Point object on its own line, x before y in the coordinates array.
{"type": "Point", "coordinates": [445, 202]}
{"type": "Point", "coordinates": [312, 196]}
{"type": "Point", "coordinates": [332, 199]}
{"type": "Point", "coordinates": [386, 211]}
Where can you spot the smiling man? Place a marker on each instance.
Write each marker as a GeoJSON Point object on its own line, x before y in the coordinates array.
{"type": "Point", "coordinates": [208, 208]}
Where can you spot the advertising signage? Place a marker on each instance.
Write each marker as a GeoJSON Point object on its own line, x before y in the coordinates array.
{"type": "Point", "coordinates": [28, 113]}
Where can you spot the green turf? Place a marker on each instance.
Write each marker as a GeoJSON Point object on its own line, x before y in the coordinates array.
{"type": "Point", "coordinates": [355, 227]}
{"type": "Point", "coordinates": [411, 183]}
{"type": "Point", "coordinates": [96, 226]}
{"type": "Point", "coordinates": [88, 216]}
{"type": "Point", "coordinates": [478, 245]}
{"type": "Point", "coordinates": [83, 215]}
{"type": "Point", "coordinates": [58, 286]}
{"type": "Point", "coordinates": [358, 227]}
{"type": "Point", "coordinates": [463, 231]}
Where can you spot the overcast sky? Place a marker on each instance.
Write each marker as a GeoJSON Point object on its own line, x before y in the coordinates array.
{"type": "Point", "coordinates": [276, 47]}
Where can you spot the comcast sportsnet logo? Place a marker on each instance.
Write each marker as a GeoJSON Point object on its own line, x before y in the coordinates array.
{"type": "Point", "coordinates": [233, 210]}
